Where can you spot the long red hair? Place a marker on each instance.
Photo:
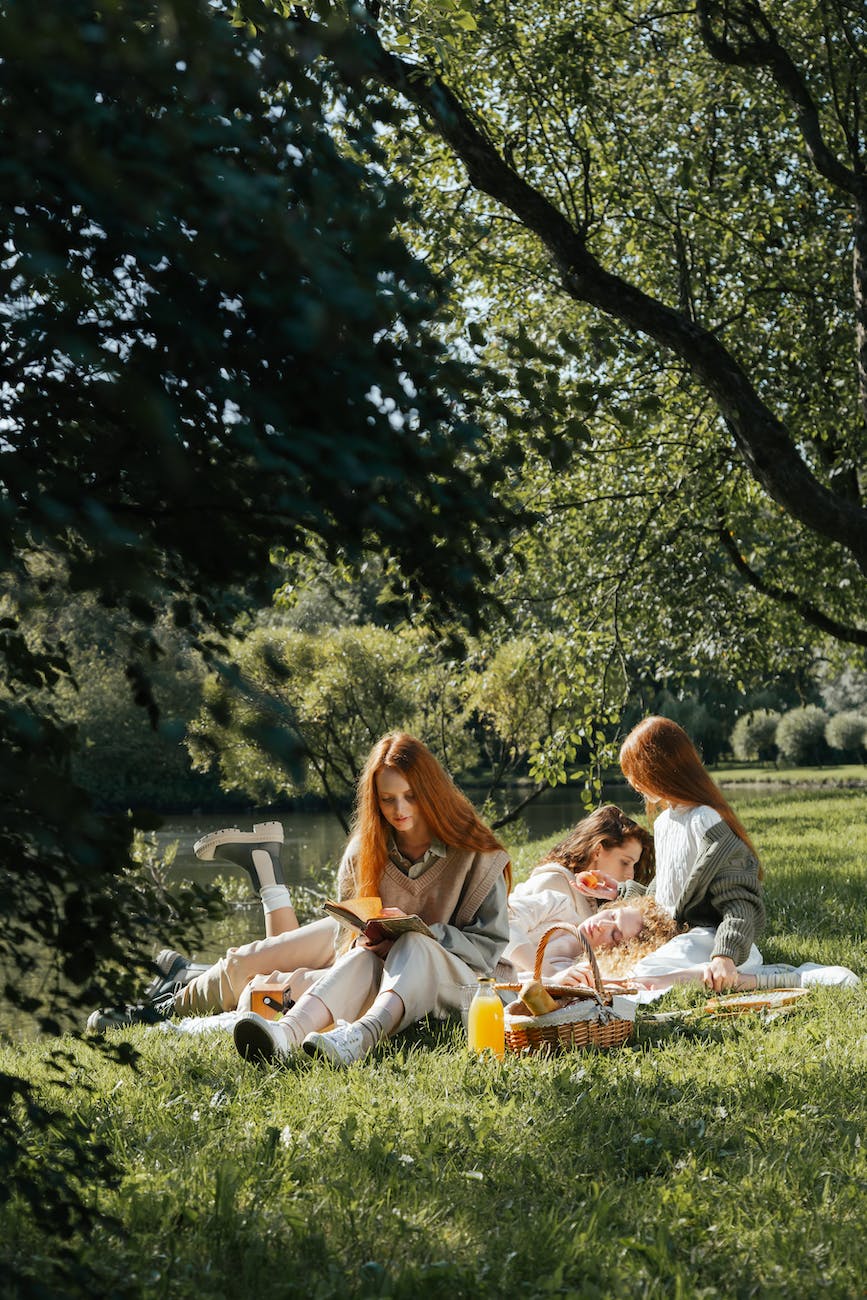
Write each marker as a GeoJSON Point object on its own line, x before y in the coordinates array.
{"type": "Point", "coordinates": [449, 814]}
{"type": "Point", "coordinates": [660, 761]}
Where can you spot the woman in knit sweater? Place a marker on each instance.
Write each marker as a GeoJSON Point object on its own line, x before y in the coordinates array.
{"type": "Point", "coordinates": [707, 870]}
{"type": "Point", "coordinates": [419, 846]}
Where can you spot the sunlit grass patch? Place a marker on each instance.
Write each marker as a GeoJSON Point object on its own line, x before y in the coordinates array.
{"type": "Point", "coordinates": [706, 1158]}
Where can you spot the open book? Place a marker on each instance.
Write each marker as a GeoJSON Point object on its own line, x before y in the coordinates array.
{"type": "Point", "coordinates": [363, 914]}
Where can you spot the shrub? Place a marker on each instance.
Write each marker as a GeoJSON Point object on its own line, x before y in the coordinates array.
{"type": "Point", "coordinates": [754, 735]}
{"type": "Point", "coordinates": [847, 731]}
{"type": "Point", "coordinates": [801, 735]}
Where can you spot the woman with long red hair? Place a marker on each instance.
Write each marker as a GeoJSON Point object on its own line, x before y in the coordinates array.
{"type": "Point", "coordinates": [707, 870]}
{"type": "Point", "coordinates": [418, 845]}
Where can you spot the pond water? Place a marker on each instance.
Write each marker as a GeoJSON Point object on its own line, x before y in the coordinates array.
{"type": "Point", "coordinates": [313, 841]}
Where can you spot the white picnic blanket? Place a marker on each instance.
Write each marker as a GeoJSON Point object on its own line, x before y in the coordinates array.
{"type": "Point", "coordinates": [222, 1022]}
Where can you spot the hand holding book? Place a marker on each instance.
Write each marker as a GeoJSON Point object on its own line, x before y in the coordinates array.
{"type": "Point", "coordinates": [370, 918]}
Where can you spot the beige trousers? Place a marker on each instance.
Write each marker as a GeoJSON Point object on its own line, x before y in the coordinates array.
{"type": "Point", "coordinates": [427, 977]}
{"type": "Point", "coordinates": [297, 958]}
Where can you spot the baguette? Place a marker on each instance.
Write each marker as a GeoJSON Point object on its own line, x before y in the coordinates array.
{"type": "Point", "coordinates": [536, 998]}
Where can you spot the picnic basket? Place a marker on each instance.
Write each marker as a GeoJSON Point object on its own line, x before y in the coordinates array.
{"type": "Point", "coordinates": [583, 1018]}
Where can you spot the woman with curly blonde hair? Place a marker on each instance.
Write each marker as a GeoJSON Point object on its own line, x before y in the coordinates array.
{"type": "Point", "coordinates": [626, 950]}
{"type": "Point", "coordinates": [619, 936]}
{"type": "Point", "coordinates": [639, 941]}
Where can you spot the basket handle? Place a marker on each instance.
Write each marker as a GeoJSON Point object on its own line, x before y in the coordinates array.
{"type": "Point", "coordinates": [588, 951]}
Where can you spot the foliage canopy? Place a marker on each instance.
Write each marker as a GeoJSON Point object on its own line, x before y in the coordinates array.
{"type": "Point", "coordinates": [666, 210]}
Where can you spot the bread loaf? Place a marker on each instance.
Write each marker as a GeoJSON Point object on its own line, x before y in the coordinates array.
{"type": "Point", "coordinates": [537, 998]}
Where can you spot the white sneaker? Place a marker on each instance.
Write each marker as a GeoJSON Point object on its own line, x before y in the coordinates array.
{"type": "Point", "coordinates": [258, 1039]}
{"type": "Point", "coordinates": [342, 1046]}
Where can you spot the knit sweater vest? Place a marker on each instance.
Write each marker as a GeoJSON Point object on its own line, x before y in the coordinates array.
{"type": "Point", "coordinates": [451, 890]}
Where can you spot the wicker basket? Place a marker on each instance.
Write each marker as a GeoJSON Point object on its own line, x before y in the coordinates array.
{"type": "Point", "coordinates": [583, 1017]}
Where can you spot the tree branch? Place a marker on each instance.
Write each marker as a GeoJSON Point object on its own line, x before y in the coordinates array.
{"type": "Point", "coordinates": [760, 437]}
{"type": "Point", "coordinates": [759, 47]}
{"type": "Point", "coordinates": [519, 807]}
{"type": "Point", "coordinates": [805, 608]}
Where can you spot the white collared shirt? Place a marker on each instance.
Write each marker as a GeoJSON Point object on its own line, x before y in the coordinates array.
{"type": "Point", "coordinates": [412, 870]}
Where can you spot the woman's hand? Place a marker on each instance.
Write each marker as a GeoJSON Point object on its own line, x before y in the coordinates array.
{"type": "Point", "coordinates": [596, 884]}
{"type": "Point", "coordinates": [382, 947]}
{"type": "Point", "coordinates": [576, 975]}
{"type": "Point", "coordinates": [720, 974]}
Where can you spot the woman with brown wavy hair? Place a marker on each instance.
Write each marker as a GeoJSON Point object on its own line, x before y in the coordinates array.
{"type": "Point", "coordinates": [605, 849]}
{"type": "Point", "coordinates": [419, 846]}
{"type": "Point", "coordinates": [606, 840]}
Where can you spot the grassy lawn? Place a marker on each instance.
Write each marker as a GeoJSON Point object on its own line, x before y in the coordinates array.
{"type": "Point", "coordinates": [846, 774]}
{"type": "Point", "coordinates": [705, 1159]}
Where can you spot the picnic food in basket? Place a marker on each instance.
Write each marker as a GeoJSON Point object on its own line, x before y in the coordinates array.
{"type": "Point", "coordinates": [536, 998]}
{"type": "Point", "coordinates": [581, 1017]}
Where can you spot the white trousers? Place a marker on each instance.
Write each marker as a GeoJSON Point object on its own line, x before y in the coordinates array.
{"type": "Point", "coordinates": [297, 958]}
{"type": "Point", "coordinates": [427, 978]}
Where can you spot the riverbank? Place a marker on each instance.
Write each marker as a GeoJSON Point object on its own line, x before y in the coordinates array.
{"type": "Point", "coordinates": [849, 776]}
{"type": "Point", "coordinates": [694, 1161]}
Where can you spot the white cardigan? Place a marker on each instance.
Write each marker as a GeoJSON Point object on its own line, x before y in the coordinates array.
{"type": "Point", "coordinates": [545, 898]}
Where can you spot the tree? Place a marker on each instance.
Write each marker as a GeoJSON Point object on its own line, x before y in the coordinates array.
{"type": "Point", "coordinates": [297, 713]}
{"type": "Point", "coordinates": [673, 204]}
{"type": "Point", "coordinates": [215, 342]}
{"type": "Point", "coordinates": [546, 704]}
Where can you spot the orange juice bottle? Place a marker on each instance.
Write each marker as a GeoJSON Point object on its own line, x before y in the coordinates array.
{"type": "Point", "coordinates": [485, 1020]}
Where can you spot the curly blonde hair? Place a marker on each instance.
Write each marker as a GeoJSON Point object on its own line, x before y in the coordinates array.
{"type": "Point", "coordinates": [657, 929]}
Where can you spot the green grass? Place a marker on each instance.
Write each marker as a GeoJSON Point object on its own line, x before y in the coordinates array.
{"type": "Point", "coordinates": [846, 774]}
{"type": "Point", "coordinates": [704, 1159]}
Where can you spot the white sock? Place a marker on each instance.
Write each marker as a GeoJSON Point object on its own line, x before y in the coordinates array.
{"type": "Point", "coordinates": [308, 1016]}
{"type": "Point", "coordinates": [382, 1019]}
{"type": "Point", "coordinates": [274, 897]}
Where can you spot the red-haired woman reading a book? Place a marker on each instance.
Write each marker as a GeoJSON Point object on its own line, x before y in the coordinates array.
{"type": "Point", "coordinates": [418, 847]}
{"type": "Point", "coordinates": [415, 839]}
